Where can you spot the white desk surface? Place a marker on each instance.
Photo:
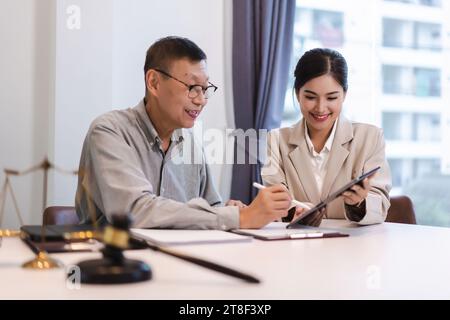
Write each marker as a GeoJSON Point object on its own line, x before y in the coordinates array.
{"type": "Point", "coordinates": [387, 261]}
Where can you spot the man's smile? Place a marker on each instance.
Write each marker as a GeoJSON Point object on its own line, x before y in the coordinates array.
{"type": "Point", "coordinates": [192, 113]}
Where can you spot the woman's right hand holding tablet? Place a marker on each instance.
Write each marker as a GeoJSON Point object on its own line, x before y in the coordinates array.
{"type": "Point", "coordinates": [313, 219]}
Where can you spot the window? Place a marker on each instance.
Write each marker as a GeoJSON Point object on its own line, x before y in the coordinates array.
{"type": "Point", "coordinates": [427, 82]}
{"type": "Point", "coordinates": [427, 36]}
{"type": "Point", "coordinates": [316, 27]}
{"type": "Point", "coordinates": [427, 127]}
{"type": "Point", "coordinates": [423, 82]}
{"type": "Point", "coordinates": [398, 33]}
{"type": "Point", "coordinates": [430, 3]}
{"type": "Point", "coordinates": [327, 28]}
{"type": "Point", "coordinates": [398, 126]}
{"type": "Point", "coordinates": [399, 80]}
{"type": "Point", "coordinates": [398, 177]}
{"type": "Point", "coordinates": [411, 34]}
{"type": "Point", "coordinates": [403, 126]}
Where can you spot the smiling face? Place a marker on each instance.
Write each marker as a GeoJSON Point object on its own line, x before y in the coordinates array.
{"type": "Point", "coordinates": [172, 108]}
{"type": "Point", "coordinates": [321, 100]}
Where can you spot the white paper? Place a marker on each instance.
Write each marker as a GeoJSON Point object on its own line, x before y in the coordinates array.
{"type": "Point", "coordinates": [180, 237]}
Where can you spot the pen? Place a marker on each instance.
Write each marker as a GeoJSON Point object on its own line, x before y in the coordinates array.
{"type": "Point", "coordinates": [198, 261]}
{"type": "Point", "coordinates": [294, 202]}
{"type": "Point", "coordinates": [201, 262]}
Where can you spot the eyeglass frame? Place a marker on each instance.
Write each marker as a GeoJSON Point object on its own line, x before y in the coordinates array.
{"type": "Point", "coordinates": [190, 87]}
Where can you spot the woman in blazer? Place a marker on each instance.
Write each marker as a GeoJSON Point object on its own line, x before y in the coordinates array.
{"type": "Point", "coordinates": [324, 150]}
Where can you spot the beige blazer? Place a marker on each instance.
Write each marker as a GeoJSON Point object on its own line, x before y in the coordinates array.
{"type": "Point", "coordinates": [356, 149]}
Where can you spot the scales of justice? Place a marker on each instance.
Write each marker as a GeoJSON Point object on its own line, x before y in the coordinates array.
{"type": "Point", "coordinates": [112, 268]}
{"type": "Point", "coordinates": [42, 260]}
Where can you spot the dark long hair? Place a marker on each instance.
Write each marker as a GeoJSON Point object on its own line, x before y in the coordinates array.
{"type": "Point", "coordinates": [320, 61]}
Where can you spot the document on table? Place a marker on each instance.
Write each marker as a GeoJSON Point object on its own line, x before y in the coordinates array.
{"type": "Point", "coordinates": [185, 237]}
{"type": "Point", "coordinates": [278, 231]}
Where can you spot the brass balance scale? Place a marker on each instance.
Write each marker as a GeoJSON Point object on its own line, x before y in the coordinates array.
{"type": "Point", "coordinates": [42, 260]}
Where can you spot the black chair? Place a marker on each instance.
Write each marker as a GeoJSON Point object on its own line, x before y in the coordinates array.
{"type": "Point", "coordinates": [401, 210]}
{"type": "Point", "coordinates": [59, 215]}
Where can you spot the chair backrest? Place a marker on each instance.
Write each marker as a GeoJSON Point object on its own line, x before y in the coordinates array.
{"type": "Point", "coordinates": [401, 210]}
{"type": "Point", "coordinates": [60, 216]}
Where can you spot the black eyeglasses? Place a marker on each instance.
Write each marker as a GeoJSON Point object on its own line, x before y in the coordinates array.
{"type": "Point", "coordinates": [195, 89]}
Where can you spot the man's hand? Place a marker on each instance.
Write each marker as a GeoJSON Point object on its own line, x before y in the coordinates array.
{"type": "Point", "coordinates": [357, 194]}
{"type": "Point", "coordinates": [314, 219]}
{"type": "Point", "coordinates": [235, 203]}
{"type": "Point", "coordinates": [270, 204]}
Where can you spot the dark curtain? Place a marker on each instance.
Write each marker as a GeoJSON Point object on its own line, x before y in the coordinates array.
{"type": "Point", "coordinates": [262, 47]}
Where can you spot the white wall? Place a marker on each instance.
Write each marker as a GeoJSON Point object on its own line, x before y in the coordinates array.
{"type": "Point", "coordinates": [83, 85]}
{"type": "Point", "coordinates": [25, 78]}
{"type": "Point", "coordinates": [55, 80]}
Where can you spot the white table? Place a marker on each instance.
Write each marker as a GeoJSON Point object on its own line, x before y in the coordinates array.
{"type": "Point", "coordinates": [387, 261]}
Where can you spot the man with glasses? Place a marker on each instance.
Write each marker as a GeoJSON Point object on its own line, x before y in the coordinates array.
{"type": "Point", "coordinates": [129, 160]}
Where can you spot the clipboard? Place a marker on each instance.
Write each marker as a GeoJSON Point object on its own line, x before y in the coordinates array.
{"type": "Point", "coordinates": [297, 222]}
{"type": "Point", "coordinates": [277, 231]}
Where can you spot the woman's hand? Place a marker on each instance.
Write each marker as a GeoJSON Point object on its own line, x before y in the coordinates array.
{"type": "Point", "coordinates": [357, 194]}
{"type": "Point", "coordinates": [314, 219]}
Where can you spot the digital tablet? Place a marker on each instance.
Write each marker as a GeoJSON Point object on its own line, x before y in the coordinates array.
{"type": "Point", "coordinates": [332, 197]}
